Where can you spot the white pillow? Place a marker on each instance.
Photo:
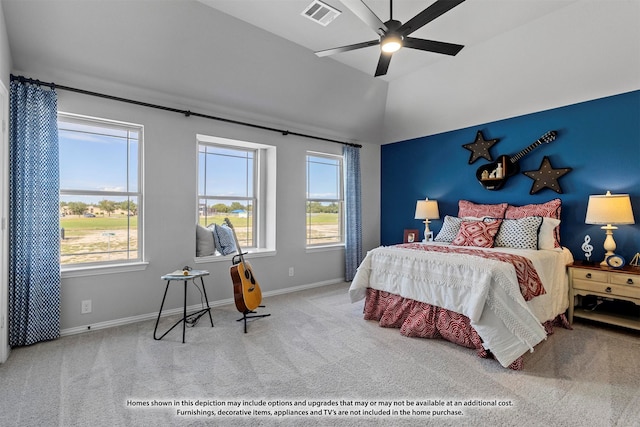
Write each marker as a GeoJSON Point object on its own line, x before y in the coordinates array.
{"type": "Point", "coordinates": [546, 236]}
{"type": "Point", "coordinates": [205, 245]}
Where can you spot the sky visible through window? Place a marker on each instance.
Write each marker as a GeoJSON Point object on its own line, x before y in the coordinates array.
{"type": "Point", "coordinates": [323, 179]}
{"type": "Point", "coordinates": [97, 161]}
{"type": "Point", "coordinates": [96, 158]}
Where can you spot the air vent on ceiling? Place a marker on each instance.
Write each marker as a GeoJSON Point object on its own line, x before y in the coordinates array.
{"type": "Point", "coordinates": [321, 12]}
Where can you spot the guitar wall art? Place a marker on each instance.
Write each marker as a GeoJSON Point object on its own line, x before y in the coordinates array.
{"type": "Point", "coordinates": [494, 175]}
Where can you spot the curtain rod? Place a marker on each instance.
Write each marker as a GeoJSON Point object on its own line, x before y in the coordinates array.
{"type": "Point", "coordinates": [186, 113]}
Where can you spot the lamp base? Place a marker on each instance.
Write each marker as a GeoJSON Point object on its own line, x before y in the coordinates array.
{"type": "Point", "coordinates": [609, 243]}
{"type": "Point", "coordinates": [428, 234]}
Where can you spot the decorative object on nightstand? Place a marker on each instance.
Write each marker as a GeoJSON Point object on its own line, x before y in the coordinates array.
{"type": "Point", "coordinates": [615, 261]}
{"type": "Point", "coordinates": [635, 261]}
{"type": "Point", "coordinates": [410, 236]}
{"type": "Point", "coordinates": [427, 209]}
{"type": "Point", "coordinates": [609, 209]}
{"type": "Point", "coordinates": [587, 248]}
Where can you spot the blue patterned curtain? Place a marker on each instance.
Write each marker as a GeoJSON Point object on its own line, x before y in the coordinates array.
{"type": "Point", "coordinates": [353, 234]}
{"type": "Point", "coordinates": [34, 236]}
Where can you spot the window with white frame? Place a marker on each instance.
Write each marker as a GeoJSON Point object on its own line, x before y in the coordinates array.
{"type": "Point", "coordinates": [236, 181]}
{"type": "Point", "coordinates": [325, 200]}
{"type": "Point", "coordinates": [100, 191]}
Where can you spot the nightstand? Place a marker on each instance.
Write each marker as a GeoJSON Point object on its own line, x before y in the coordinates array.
{"type": "Point", "coordinates": [614, 284]}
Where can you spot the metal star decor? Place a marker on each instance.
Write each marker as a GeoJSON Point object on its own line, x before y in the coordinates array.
{"type": "Point", "coordinates": [480, 147]}
{"type": "Point", "coordinates": [546, 177]}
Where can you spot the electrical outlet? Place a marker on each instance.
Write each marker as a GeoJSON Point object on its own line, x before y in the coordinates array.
{"type": "Point", "coordinates": [86, 306]}
{"type": "Point", "coordinates": [290, 271]}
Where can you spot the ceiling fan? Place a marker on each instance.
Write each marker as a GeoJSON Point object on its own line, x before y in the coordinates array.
{"type": "Point", "coordinates": [395, 35]}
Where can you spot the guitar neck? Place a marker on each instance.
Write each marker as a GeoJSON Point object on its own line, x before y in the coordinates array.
{"type": "Point", "coordinates": [526, 151]}
{"type": "Point", "coordinates": [235, 238]}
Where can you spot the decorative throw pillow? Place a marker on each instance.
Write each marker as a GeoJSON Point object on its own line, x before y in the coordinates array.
{"type": "Point", "coordinates": [470, 209]}
{"type": "Point", "coordinates": [550, 209]}
{"type": "Point", "coordinates": [449, 230]}
{"type": "Point", "coordinates": [546, 235]}
{"type": "Point", "coordinates": [519, 233]}
{"type": "Point", "coordinates": [205, 245]}
{"type": "Point", "coordinates": [223, 237]}
{"type": "Point", "coordinates": [477, 233]}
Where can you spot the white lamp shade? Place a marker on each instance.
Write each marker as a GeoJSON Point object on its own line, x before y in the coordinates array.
{"type": "Point", "coordinates": [427, 209]}
{"type": "Point", "coordinates": [609, 209]}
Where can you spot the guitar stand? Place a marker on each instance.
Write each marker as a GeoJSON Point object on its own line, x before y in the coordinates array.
{"type": "Point", "coordinates": [245, 317]}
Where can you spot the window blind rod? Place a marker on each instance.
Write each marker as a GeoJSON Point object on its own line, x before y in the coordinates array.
{"type": "Point", "coordinates": [186, 113]}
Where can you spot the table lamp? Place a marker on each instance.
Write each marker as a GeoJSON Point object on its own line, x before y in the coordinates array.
{"type": "Point", "coordinates": [427, 209]}
{"type": "Point", "coordinates": [609, 209]}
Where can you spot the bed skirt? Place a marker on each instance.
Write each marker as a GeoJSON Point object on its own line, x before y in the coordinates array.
{"type": "Point", "coordinates": [419, 319]}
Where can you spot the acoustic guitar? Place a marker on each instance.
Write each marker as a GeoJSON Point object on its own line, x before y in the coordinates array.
{"type": "Point", "coordinates": [246, 291]}
{"type": "Point", "coordinates": [494, 175]}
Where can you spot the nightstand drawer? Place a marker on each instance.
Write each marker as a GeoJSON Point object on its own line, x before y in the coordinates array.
{"type": "Point", "coordinates": [596, 276]}
{"type": "Point", "coordinates": [608, 288]}
{"type": "Point", "coordinates": [608, 285]}
{"type": "Point", "coordinates": [626, 279]}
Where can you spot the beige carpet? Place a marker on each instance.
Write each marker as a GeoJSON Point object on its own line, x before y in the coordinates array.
{"type": "Point", "coordinates": [314, 357]}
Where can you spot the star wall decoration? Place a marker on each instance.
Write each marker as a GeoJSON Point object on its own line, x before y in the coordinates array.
{"type": "Point", "coordinates": [546, 177]}
{"type": "Point", "coordinates": [480, 147]}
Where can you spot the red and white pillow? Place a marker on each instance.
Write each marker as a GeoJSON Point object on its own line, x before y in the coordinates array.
{"type": "Point", "coordinates": [477, 233]}
{"type": "Point", "coordinates": [548, 234]}
{"type": "Point", "coordinates": [476, 210]}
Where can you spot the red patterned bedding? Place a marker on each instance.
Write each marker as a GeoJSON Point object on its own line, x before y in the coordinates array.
{"type": "Point", "coordinates": [417, 318]}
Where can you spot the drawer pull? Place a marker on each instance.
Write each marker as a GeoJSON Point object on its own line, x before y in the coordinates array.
{"type": "Point", "coordinates": [608, 290]}
{"type": "Point", "coordinates": [588, 276]}
{"type": "Point", "coordinates": [629, 281]}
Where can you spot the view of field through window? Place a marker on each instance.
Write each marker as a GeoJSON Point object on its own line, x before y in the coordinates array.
{"type": "Point", "coordinates": [324, 200]}
{"type": "Point", "coordinates": [99, 191]}
{"type": "Point", "coordinates": [100, 195]}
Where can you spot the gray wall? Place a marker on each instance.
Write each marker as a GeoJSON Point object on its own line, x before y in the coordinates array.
{"type": "Point", "coordinates": [287, 100]}
{"type": "Point", "coordinates": [170, 155]}
{"type": "Point", "coordinates": [5, 67]}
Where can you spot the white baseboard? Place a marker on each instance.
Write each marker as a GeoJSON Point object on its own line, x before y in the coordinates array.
{"type": "Point", "coordinates": [179, 310]}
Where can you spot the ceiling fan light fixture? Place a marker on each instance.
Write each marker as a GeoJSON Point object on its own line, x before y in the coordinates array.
{"type": "Point", "coordinates": [391, 43]}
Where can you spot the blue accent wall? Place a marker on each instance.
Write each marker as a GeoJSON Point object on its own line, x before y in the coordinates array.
{"type": "Point", "coordinates": [599, 139]}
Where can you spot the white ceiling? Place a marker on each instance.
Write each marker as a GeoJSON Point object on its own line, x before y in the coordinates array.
{"type": "Point", "coordinates": [254, 60]}
{"type": "Point", "coordinates": [471, 23]}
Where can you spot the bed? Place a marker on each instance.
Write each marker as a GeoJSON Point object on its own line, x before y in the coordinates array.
{"type": "Point", "coordinates": [494, 279]}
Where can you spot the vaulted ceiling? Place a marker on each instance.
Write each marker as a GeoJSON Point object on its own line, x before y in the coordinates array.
{"type": "Point", "coordinates": [471, 23]}
{"type": "Point", "coordinates": [254, 59]}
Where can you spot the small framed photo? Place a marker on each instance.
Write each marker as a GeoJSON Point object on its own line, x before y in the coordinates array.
{"type": "Point", "coordinates": [410, 236]}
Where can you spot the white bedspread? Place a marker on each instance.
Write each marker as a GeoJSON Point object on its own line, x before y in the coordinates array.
{"type": "Point", "coordinates": [484, 290]}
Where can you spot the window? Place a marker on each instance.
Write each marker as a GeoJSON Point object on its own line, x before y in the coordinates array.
{"type": "Point", "coordinates": [236, 179]}
{"type": "Point", "coordinates": [100, 191]}
{"type": "Point", "coordinates": [325, 201]}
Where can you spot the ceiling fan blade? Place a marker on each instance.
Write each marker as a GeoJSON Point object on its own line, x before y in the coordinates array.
{"type": "Point", "coordinates": [347, 48]}
{"type": "Point", "coordinates": [427, 15]}
{"type": "Point", "coordinates": [383, 64]}
{"type": "Point", "coordinates": [432, 46]}
{"type": "Point", "coordinates": [365, 14]}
